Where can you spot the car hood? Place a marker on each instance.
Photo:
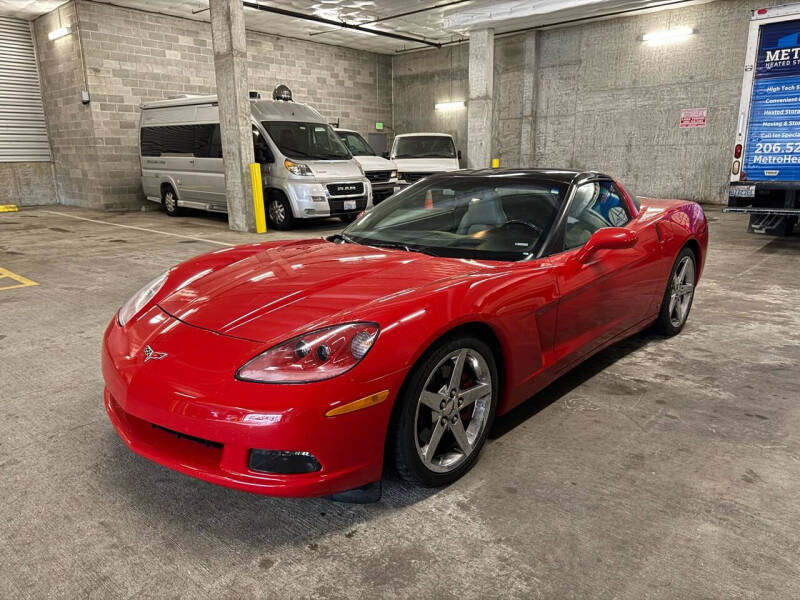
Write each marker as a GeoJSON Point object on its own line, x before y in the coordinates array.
{"type": "Point", "coordinates": [375, 163]}
{"type": "Point", "coordinates": [289, 289]}
{"type": "Point", "coordinates": [426, 165]}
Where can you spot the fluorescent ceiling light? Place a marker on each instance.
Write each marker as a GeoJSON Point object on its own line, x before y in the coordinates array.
{"type": "Point", "coordinates": [668, 34]}
{"type": "Point", "coordinates": [57, 33]}
{"type": "Point", "coordinates": [449, 105]}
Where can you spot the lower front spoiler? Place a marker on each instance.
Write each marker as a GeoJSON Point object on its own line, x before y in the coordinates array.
{"type": "Point", "coordinates": [207, 461]}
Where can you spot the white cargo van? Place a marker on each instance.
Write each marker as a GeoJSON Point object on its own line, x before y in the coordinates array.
{"type": "Point", "coordinates": [418, 155]}
{"type": "Point", "coordinates": [381, 172]}
{"type": "Point", "coordinates": [307, 171]}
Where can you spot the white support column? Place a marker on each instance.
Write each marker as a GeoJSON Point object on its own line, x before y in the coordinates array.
{"type": "Point", "coordinates": [530, 76]}
{"type": "Point", "coordinates": [230, 70]}
{"type": "Point", "coordinates": [481, 90]}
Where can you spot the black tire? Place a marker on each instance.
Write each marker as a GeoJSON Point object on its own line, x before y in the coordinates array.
{"type": "Point", "coordinates": [349, 218]}
{"type": "Point", "coordinates": [670, 323]}
{"type": "Point", "coordinates": [404, 435]}
{"type": "Point", "coordinates": [169, 200]}
{"type": "Point", "coordinates": [279, 212]}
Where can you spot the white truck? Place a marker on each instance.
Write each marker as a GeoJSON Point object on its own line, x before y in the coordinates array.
{"type": "Point", "coordinates": [765, 172]}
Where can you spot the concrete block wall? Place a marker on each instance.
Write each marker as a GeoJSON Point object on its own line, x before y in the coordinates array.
{"type": "Point", "coordinates": [69, 122]}
{"type": "Point", "coordinates": [135, 56]}
{"type": "Point", "coordinates": [605, 100]}
{"type": "Point", "coordinates": [27, 183]}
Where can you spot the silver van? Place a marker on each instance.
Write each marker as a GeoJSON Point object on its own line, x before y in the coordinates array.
{"type": "Point", "coordinates": [307, 171]}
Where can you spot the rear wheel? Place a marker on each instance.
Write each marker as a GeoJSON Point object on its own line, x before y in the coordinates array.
{"type": "Point", "coordinates": [169, 200]}
{"type": "Point", "coordinates": [279, 212]}
{"type": "Point", "coordinates": [678, 297]}
{"type": "Point", "coordinates": [446, 412]}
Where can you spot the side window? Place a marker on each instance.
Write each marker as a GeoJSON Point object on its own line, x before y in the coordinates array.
{"type": "Point", "coordinates": [202, 139]}
{"type": "Point", "coordinates": [596, 205]}
{"type": "Point", "coordinates": [215, 147]}
{"type": "Point", "coordinates": [151, 141]}
{"type": "Point", "coordinates": [178, 139]}
{"type": "Point", "coordinates": [263, 154]}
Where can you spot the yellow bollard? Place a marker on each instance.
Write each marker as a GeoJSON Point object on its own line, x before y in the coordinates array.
{"type": "Point", "coordinates": [495, 163]}
{"type": "Point", "coordinates": [258, 198]}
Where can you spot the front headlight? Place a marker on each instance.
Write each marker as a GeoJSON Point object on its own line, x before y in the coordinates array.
{"type": "Point", "coordinates": [297, 168]}
{"type": "Point", "coordinates": [393, 175]}
{"type": "Point", "coordinates": [138, 301]}
{"type": "Point", "coordinates": [314, 356]}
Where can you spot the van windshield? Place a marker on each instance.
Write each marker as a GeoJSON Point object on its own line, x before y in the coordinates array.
{"type": "Point", "coordinates": [309, 141]}
{"type": "Point", "coordinates": [356, 144]}
{"type": "Point", "coordinates": [425, 146]}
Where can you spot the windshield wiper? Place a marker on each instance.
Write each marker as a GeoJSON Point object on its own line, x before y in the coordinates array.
{"type": "Point", "coordinates": [400, 246]}
{"type": "Point", "coordinates": [340, 237]}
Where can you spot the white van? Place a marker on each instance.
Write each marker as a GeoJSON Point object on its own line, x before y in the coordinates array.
{"type": "Point", "coordinates": [307, 171]}
{"type": "Point", "coordinates": [418, 155]}
{"type": "Point", "coordinates": [381, 172]}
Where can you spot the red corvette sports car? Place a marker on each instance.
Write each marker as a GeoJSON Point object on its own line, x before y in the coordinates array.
{"type": "Point", "coordinates": [300, 368]}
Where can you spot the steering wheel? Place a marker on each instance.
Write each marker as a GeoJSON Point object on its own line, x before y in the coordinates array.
{"type": "Point", "coordinates": [528, 224]}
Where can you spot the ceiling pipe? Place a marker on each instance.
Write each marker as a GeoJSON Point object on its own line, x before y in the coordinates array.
{"type": "Point", "coordinates": [340, 24]}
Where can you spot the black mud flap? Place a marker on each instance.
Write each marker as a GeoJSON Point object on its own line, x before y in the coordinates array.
{"type": "Point", "coordinates": [366, 494]}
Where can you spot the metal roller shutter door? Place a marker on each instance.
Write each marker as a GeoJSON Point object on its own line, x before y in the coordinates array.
{"type": "Point", "coordinates": [23, 134]}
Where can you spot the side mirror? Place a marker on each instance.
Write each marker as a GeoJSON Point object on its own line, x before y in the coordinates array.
{"type": "Point", "coordinates": [458, 154]}
{"type": "Point", "coordinates": [608, 238]}
{"type": "Point", "coordinates": [385, 154]}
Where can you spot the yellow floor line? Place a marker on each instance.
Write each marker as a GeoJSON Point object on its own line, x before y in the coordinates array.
{"type": "Point", "coordinates": [21, 281]}
{"type": "Point", "coordinates": [178, 235]}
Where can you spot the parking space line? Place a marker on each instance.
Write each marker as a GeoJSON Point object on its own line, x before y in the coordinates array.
{"type": "Point", "coordinates": [21, 281]}
{"type": "Point", "coordinates": [178, 235]}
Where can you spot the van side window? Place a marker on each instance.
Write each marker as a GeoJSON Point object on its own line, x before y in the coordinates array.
{"type": "Point", "coordinates": [202, 139]}
{"type": "Point", "coordinates": [215, 147]}
{"type": "Point", "coordinates": [151, 141]}
{"type": "Point", "coordinates": [177, 139]}
{"type": "Point", "coordinates": [263, 154]}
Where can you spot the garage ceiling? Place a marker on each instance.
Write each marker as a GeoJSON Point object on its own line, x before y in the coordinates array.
{"type": "Point", "coordinates": [438, 21]}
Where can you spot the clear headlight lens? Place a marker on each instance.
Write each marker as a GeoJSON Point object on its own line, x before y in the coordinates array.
{"type": "Point", "coordinates": [313, 356]}
{"type": "Point", "coordinates": [297, 168]}
{"type": "Point", "coordinates": [393, 175]}
{"type": "Point", "coordinates": [138, 301]}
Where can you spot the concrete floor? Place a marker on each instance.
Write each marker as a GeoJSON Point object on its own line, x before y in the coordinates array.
{"type": "Point", "coordinates": [659, 468]}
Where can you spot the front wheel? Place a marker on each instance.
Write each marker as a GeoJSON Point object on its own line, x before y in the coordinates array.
{"type": "Point", "coordinates": [445, 413]}
{"type": "Point", "coordinates": [678, 297]}
{"type": "Point", "coordinates": [279, 212]}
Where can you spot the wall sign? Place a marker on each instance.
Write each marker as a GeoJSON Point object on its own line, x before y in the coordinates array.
{"type": "Point", "coordinates": [693, 117]}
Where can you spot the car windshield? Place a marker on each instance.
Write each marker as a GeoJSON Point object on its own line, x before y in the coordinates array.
{"type": "Point", "coordinates": [425, 146]}
{"type": "Point", "coordinates": [356, 144]}
{"type": "Point", "coordinates": [491, 218]}
{"type": "Point", "coordinates": [306, 141]}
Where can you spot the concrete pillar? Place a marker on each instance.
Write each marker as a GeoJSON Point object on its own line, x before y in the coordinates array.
{"type": "Point", "coordinates": [530, 77]}
{"type": "Point", "coordinates": [481, 89]}
{"type": "Point", "coordinates": [230, 70]}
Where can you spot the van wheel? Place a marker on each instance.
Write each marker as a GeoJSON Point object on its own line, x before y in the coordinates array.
{"type": "Point", "coordinates": [349, 218]}
{"type": "Point", "coordinates": [279, 212]}
{"type": "Point", "coordinates": [169, 200]}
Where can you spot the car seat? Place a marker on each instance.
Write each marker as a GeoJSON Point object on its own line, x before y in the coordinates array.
{"type": "Point", "coordinates": [482, 214]}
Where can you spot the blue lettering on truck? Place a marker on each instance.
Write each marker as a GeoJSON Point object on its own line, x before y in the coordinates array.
{"type": "Point", "coordinates": [772, 151]}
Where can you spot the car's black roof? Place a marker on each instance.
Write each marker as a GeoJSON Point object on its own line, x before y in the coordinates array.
{"type": "Point", "coordinates": [559, 175]}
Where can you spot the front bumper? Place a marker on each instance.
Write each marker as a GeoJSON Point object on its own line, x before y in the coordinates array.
{"type": "Point", "coordinates": [188, 413]}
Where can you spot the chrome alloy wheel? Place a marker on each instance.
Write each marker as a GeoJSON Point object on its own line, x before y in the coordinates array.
{"type": "Point", "coordinates": [277, 212]}
{"type": "Point", "coordinates": [452, 410]}
{"type": "Point", "coordinates": [170, 203]}
{"type": "Point", "coordinates": [681, 292]}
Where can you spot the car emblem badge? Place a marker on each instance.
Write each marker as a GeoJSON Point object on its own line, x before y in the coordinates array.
{"type": "Point", "coordinates": [149, 353]}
